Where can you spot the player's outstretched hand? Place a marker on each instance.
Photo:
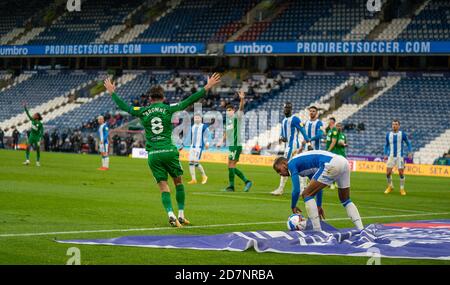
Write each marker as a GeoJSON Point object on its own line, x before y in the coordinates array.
{"type": "Point", "coordinates": [321, 213]}
{"type": "Point", "coordinates": [110, 86]}
{"type": "Point", "coordinates": [24, 104]}
{"type": "Point", "coordinates": [213, 80]}
{"type": "Point", "coordinates": [241, 94]}
{"type": "Point", "coordinates": [296, 210]}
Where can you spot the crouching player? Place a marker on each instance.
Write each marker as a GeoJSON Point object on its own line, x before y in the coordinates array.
{"type": "Point", "coordinates": [199, 140]}
{"type": "Point", "coordinates": [327, 168]}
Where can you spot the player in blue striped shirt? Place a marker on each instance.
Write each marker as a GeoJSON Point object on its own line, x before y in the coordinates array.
{"type": "Point", "coordinates": [394, 153]}
{"type": "Point", "coordinates": [200, 137]}
{"type": "Point", "coordinates": [322, 168]}
{"type": "Point", "coordinates": [290, 128]}
{"type": "Point", "coordinates": [103, 133]}
{"type": "Point", "coordinates": [314, 128]}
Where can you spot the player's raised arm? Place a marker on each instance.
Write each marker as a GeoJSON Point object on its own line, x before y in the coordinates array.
{"type": "Point", "coordinates": [212, 81]}
{"type": "Point", "coordinates": [111, 88]}
{"type": "Point", "coordinates": [242, 100]}
{"type": "Point", "coordinates": [24, 104]}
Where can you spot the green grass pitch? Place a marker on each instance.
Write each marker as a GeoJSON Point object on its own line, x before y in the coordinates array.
{"type": "Point", "coordinates": [68, 194]}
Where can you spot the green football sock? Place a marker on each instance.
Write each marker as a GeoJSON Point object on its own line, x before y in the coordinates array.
{"type": "Point", "coordinates": [180, 196]}
{"type": "Point", "coordinates": [167, 202]}
{"type": "Point", "coordinates": [231, 173]}
{"type": "Point", "coordinates": [38, 154]}
{"type": "Point", "coordinates": [27, 153]}
{"type": "Point", "coordinates": [241, 175]}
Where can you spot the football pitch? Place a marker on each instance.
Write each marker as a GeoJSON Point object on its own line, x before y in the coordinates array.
{"type": "Point", "coordinates": [67, 198]}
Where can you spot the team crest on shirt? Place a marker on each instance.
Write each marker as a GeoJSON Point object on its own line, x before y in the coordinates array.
{"type": "Point", "coordinates": [334, 133]}
{"type": "Point", "coordinates": [136, 108]}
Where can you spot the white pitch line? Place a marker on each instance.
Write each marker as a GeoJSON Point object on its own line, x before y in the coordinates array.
{"type": "Point", "coordinates": [204, 226]}
{"type": "Point", "coordinates": [284, 201]}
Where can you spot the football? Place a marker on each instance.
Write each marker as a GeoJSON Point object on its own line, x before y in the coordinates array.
{"type": "Point", "coordinates": [296, 222]}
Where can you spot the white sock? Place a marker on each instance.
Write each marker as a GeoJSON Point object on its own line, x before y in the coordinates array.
{"type": "Point", "coordinates": [353, 214]}
{"type": "Point", "coordinates": [192, 171]}
{"type": "Point", "coordinates": [171, 214]}
{"type": "Point", "coordinates": [202, 171]}
{"type": "Point", "coordinates": [402, 182]}
{"type": "Point", "coordinates": [181, 214]}
{"type": "Point", "coordinates": [283, 180]}
{"type": "Point", "coordinates": [107, 162]}
{"type": "Point", "coordinates": [103, 161]}
{"type": "Point", "coordinates": [313, 214]}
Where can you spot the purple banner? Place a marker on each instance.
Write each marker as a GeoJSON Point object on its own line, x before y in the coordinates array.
{"type": "Point", "coordinates": [417, 239]}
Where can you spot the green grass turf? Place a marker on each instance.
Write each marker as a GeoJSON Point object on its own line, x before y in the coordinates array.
{"type": "Point", "coordinates": [68, 194]}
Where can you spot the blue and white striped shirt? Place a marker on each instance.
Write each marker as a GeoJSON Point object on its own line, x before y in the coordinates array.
{"type": "Point", "coordinates": [199, 134]}
{"type": "Point", "coordinates": [394, 144]}
{"type": "Point", "coordinates": [103, 132]}
{"type": "Point", "coordinates": [290, 127]}
{"type": "Point", "coordinates": [314, 132]}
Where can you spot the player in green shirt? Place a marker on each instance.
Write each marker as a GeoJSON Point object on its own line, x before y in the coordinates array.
{"type": "Point", "coordinates": [163, 155]}
{"type": "Point", "coordinates": [341, 141]}
{"type": "Point", "coordinates": [332, 135]}
{"type": "Point", "coordinates": [34, 139]}
{"type": "Point", "coordinates": [233, 139]}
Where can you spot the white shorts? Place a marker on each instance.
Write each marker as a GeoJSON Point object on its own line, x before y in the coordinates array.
{"type": "Point", "coordinates": [103, 147]}
{"type": "Point", "coordinates": [289, 152]}
{"type": "Point", "coordinates": [337, 170]}
{"type": "Point", "coordinates": [195, 154]}
{"type": "Point", "coordinates": [399, 162]}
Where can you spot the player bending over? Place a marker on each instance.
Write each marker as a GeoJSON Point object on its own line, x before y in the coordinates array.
{"type": "Point", "coordinates": [394, 153]}
{"type": "Point", "coordinates": [233, 140]}
{"type": "Point", "coordinates": [103, 133]}
{"type": "Point", "coordinates": [324, 168]}
{"type": "Point", "coordinates": [34, 139]}
{"type": "Point", "coordinates": [290, 127]}
{"type": "Point", "coordinates": [163, 155]}
{"type": "Point", "coordinates": [199, 140]}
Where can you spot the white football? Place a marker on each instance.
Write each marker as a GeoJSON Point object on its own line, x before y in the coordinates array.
{"type": "Point", "coordinates": [296, 222]}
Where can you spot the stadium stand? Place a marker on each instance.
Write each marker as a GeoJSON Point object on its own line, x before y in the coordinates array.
{"type": "Point", "coordinates": [314, 20]}
{"type": "Point", "coordinates": [96, 17]}
{"type": "Point", "coordinates": [41, 90]}
{"type": "Point", "coordinates": [131, 85]}
{"type": "Point", "coordinates": [421, 103]}
{"type": "Point", "coordinates": [14, 15]}
{"type": "Point", "coordinates": [432, 23]}
{"type": "Point", "coordinates": [198, 21]}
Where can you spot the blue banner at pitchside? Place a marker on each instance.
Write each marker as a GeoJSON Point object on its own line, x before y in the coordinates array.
{"type": "Point", "coordinates": [104, 49]}
{"type": "Point", "coordinates": [418, 239]}
{"type": "Point", "coordinates": [339, 48]}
